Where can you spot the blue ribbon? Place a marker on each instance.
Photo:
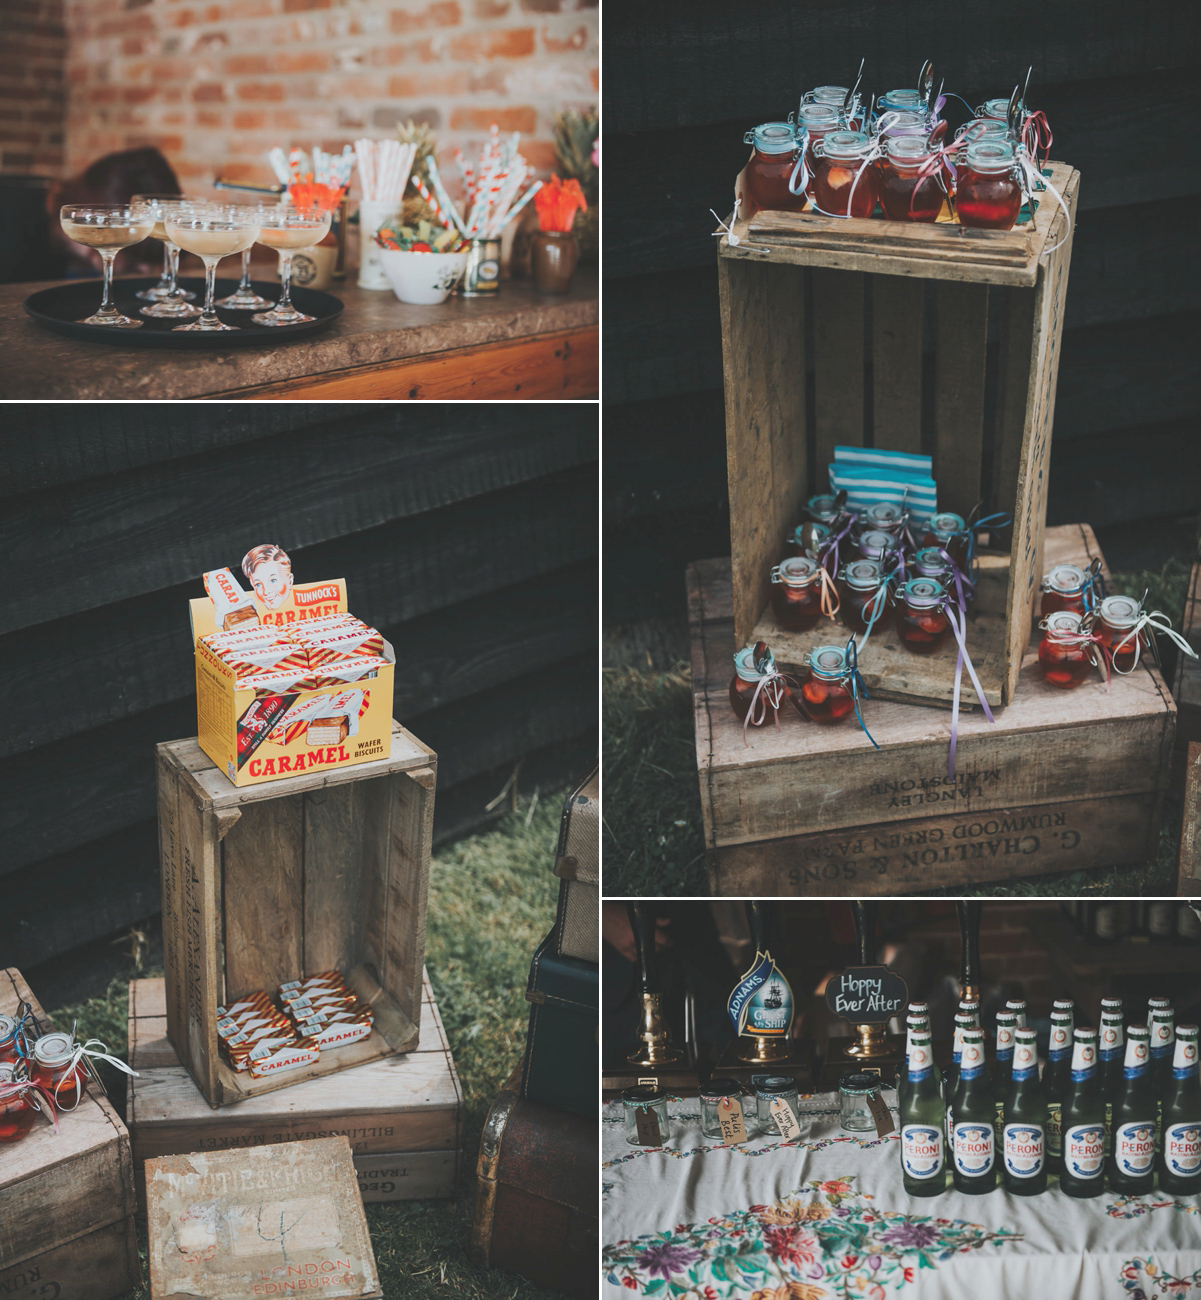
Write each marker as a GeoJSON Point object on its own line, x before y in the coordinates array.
{"type": "Point", "coordinates": [1094, 592]}
{"type": "Point", "coordinates": [739, 1002]}
{"type": "Point", "coordinates": [857, 685]}
{"type": "Point", "coordinates": [1000, 520]}
{"type": "Point", "coordinates": [26, 1026]}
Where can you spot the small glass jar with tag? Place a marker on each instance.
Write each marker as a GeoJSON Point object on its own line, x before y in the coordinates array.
{"type": "Point", "coordinates": [814, 123]}
{"type": "Point", "coordinates": [826, 695]}
{"type": "Point", "coordinates": [909, 190]}
{"type": "Point", "coordinates": [718, 1097]}
{"type": "Point", "coordinates": [646, 1100]}
{"type": "Point", "coordinates": [775, 1088]}
{"type": "Point", "coordinates": [922, 620]}
{"type": "Point", "coordinates": [841, 156]}
{"type": "Point", "coordinates": [1119, 616]}
{"type": "Point", "coordinates": [1066, 651]}
{"type": "Point", "coordinates": [770, 167]}
{"type": "Point", "coordinates": [796, 593]}
{"type": "Point", "coordinates": [988, 195]}
{"type": "Point", "coordinates": [854, 1090]}
{"type": "Point", "coordinates": [757, 684]}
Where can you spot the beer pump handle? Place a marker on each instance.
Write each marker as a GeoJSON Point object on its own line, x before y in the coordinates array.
{"type": "Point", "coordinates": [865, 931]}
{"type": "Point", "coordinates": [642, 922]}
{"type": "Point", "coordinates": [758, 915]}
{"type": "Point", "coordinates": [969, 938]}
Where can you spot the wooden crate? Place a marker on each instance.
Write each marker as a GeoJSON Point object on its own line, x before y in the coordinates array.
{"type": "Point", "coordinates": [268, 882]}
{"type": "Point", "coordinates": [801, 286]}
{"type": "Point", "coordinates": [1062, 780]}
{"type": "Point", "coordinates": [67, 1198]}
{"type": "Point", "coordinates": [403, 1116]}
{"type": "Point", "coordinates": [1189, 866]}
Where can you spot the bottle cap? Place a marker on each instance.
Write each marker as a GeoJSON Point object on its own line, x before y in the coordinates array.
{"type": "Point", "coordinates": [716, 1089]}
{"type": "Point", "coordinates": [643, 1095]}
{"type": "Point", "coordinates": [858, 1083]}
{"type": "Point", "coordinates": [774, 1084]}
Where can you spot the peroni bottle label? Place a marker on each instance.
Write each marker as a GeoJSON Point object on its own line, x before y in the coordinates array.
{"type": "Point", "coordinates": [1084, 1150]}
{"type": "Point", "coordinates": [973, 1148]}
{"type": "Point", "coordinates": [1182, 1149]}
{"type": "Point", "coordinates": [1025, 1150]}
{"type": "Point", "coordinates": [921, 1150]}
{"type": "Point", "coordinates": [1054, 1127]}
{"type": "Point", "coordinates": [1134, 1148]}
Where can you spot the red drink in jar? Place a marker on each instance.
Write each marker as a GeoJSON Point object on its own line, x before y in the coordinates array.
{"type": "Point", "coordinates": [8, 1039]}
{"type": "Point", "coordinates": [988, 195]}
{"type": "Point", "coordinates": [826, 694]}
{"type": "Point", "coordinates": [748, 686]}
{"type": "Point", "coordinates": [1065, 659]}
{"type": "Point", "coordinates": [55, 1069]}
{"type": "Point", "coordinates": [1063, 588]}
{"type": "Point", "coordinates": [1118, 617]}
{"type": "Point", "coordinates": [922, 622]}
{"type": "Point", "coordinates": [863, 595]}
{"type": "Point", "coordinates": [770, 167]}
{"type": "Point", "coordinates": [905, 194]}
{"type": "Point", "coordinates": [796, 593]}
{"type": "Point", "coordinates": [840, 169]}
{"type": "Point", "coordinates": [16, 1113]}
{"type": "Point", "coordinates": [817, 120]}
{"type": "Point", "coordinates": [949, 531]}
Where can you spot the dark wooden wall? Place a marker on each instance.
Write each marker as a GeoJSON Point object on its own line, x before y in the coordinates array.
{"type": "Point", "coordinates": [685, 78]}
{"type": "Point", "coordinates": [467, 533]}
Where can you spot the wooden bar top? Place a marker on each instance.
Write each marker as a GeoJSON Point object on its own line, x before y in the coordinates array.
{"type": "Point", "coordinates": [520, 344]}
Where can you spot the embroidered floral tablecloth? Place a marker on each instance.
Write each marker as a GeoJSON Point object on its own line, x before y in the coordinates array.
{"type": "Point", "coordinates": [827, 1217]}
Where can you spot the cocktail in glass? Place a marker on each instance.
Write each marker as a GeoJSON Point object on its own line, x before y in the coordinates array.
{"type": "Point", "coordinates": [213, 232]}
{"type": "Point", "coordinates": [166, 298]}
{"type": "Point", "coordinates": [108, 228]}
{"type": "Point", "coordinates": [288, 230]}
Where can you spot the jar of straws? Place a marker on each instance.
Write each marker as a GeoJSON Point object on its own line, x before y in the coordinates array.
{"type": "Point", "coordinates": [384, 167]}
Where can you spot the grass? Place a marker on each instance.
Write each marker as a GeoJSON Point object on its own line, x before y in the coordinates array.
{"type": "Point", "coordinates": [491, 902]}
{"type": "Point", "coordinates": [653, 834]}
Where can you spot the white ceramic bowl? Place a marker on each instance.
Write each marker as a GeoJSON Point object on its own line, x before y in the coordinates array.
{"type": "Point", "coordinates": [424, 278]}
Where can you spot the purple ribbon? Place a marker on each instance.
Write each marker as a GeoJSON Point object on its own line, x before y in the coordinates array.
{"type": "Point", "coordinates": [958, 620]}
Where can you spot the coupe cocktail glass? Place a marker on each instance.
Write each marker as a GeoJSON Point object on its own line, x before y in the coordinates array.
{"type": "Point", "coordinates": [167, 299]}
{"type": "Point", "coordinates": [288, 230]}
{"type": "Point", "coordinates": [212, 233]}
{"type": "Point", "coordinates": [108, 228]}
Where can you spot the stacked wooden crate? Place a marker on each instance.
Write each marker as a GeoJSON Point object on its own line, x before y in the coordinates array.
{"type": "Point", "coordinates": [916, 339]}
{"type": "Point", "coordinates": [67, 1198]}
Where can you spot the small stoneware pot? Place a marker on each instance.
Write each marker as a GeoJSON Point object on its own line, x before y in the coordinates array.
{"type": "Point", "coordinates": [553, 258]}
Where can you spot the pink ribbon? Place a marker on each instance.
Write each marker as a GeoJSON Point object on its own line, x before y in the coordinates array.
{"type": "Point", "coordinates": [27, 1090]}
{"type": "Point", "coordinates": [769, 691]}
{"type": "Point", "coordinates": [1036, 134]}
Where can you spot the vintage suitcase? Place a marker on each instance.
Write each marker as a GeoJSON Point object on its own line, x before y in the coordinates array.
{"type": "Point", "coordinates": [537, 1209]}
{"type": "Point", "coordinates": [562, 1056]}
{"type": "Point", "coordinates": [577, 926]}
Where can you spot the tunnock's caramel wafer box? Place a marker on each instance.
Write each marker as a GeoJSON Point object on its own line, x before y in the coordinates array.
{"type": "Point", "coordinates": [287, 681]}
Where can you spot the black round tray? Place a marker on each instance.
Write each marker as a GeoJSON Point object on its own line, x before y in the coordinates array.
{"type": "Point", "coordinates": [62, 307]}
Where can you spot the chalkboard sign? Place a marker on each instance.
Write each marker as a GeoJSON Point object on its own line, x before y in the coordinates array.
{"type": "Point", "coordinates": [867, 995]}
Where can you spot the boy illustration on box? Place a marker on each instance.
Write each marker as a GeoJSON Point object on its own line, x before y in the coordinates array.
{"type": "Point", "coordinates": [269, 572]}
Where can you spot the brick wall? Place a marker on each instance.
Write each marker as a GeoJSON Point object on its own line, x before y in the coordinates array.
{"type": "Point", "coordinates": [215, 85]}
{"type": "Point", "coordinates": [31, 86]}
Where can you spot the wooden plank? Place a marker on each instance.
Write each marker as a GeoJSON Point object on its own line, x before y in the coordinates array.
{"type": "Point", "coordinates": [337, 835]}
{"type": "Point", "coordinates": [957, 848]}
{"type": "Point", "coordinates": [677, 64]}
{"type": "Point", "coordinates": [897, 310]}
{"type": "Point", "coordinates": [410, 844]}
{"type": "Point", "coordinates": [171, 859]}
{"type": "Point", "coordinates": [265, 896]}
{"type": "Point", "coordinates": [763, 323]}
{"type": "Point", "coordinates": [58, 1186]}
{"type": "Point", "coordinates": [1030, 503]}
{"type": "Point", "coordinates": [1046, 747]}
{"type": "Point", "coordinates": [838, 365]}
{"type": "Point", "coordinates": [1189, 862]}
{"type": "Point", "coordinates": [561, 366]}
{"type": "Point", "coordinates": [95, 1266]}
{"type": "Point", "coordinates": [337, 485]}
{"type": "Point", "coordinates": [961, 316]}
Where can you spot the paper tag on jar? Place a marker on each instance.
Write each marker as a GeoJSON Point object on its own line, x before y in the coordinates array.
{"type": "Point", "coordinates": [786, 1121]}
{"type": "Point", "coordinates": [880, 1113]}
{"type": "Point", "coordinates": [647, 1123]}
{"type": "Point", "coordinates": [733, 1126]}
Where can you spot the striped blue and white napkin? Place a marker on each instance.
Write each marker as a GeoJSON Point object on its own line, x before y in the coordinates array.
{"type": "Point", "coordinates": [871, 476]}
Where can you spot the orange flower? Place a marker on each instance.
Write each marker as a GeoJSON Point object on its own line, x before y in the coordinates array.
{"type": "Point", "coordinates": [312, 194]}
{"type": "Point", "coordinates": [557, 202]}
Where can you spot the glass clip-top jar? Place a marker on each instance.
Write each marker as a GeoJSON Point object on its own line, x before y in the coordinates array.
{"type": "Point", "coordinates": [1067, 652]}
{"type": "Point", "coordinates": [884, 517]}
{"type": "Point", "coordinates": [864, 594]}
{"type": "Point", "coordinates": [988, 194]}
{"type": "Point", "coordinates": [1119, 630]}
{"type": "Point", "coordinates": [929, 562]}
{"type": "Point", "coordinates": [58, 1067]}
{"type": "Point", "coordinates": [1064, 587]}
{"type": "Point", "coordinates": [814, 122]}
{"type": "Point", "coordinates": [8, 1038]}
{"type": "Point", "coordinates": [845, 183]}
{"type": "Point", "coordinates": [910, 188]}
{"type": "Point", "coordinates": [876, 544]}
{"type": "Point", "coordinates": [18, 1110]}
{"type": "Point", "coordinates": [770, 168]}
{"type": "Point", "coordinates": [922, 620]}
{"type": "Point", "coordinates": [823, 509]}
{"type": "Point", "coordinates": [950, 531]}
{"type": "Point", "coordinates": [796, 593]}
{"type": "Point", "coordinates": [757, 689]}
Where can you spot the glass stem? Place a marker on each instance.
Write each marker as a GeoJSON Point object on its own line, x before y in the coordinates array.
{"type": "Point", "coordinates": [244, 287]}
{"type": "Point", "coordinates": [173, 268]}
{"type": "Point", "coordinates": [166, 280]}
{"type": "Point", "coordinates": [210, 316]}
{"type": "Point", "coordinates": [285, 279]}
{"type": "Point", "coordinates": [106, 306]}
